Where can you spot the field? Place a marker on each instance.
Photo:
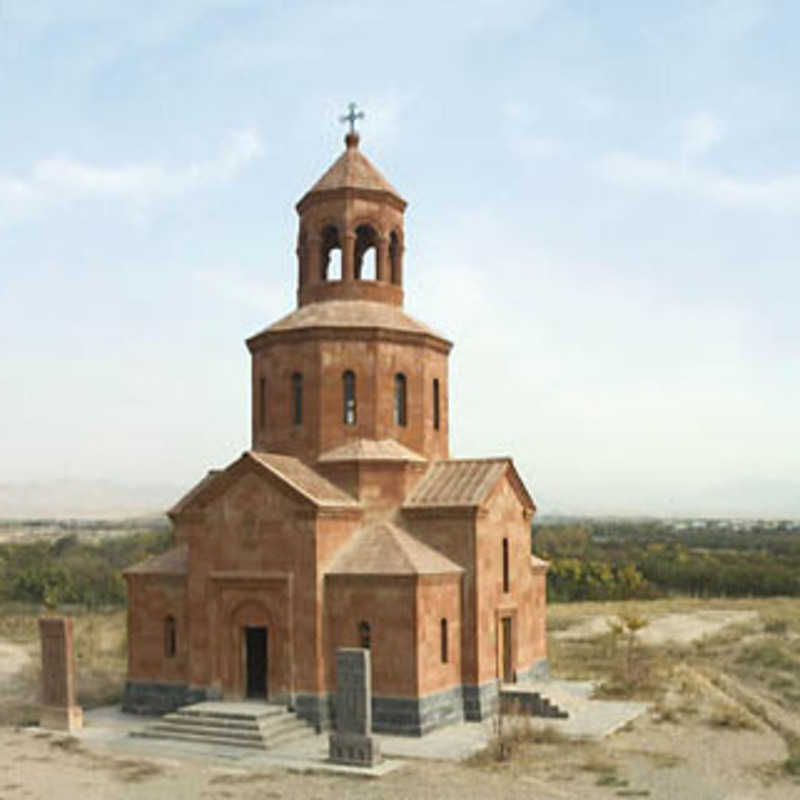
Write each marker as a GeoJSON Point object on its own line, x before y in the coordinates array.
{"type": "Point", "coordinates": [722, 723]}
{"type": "Point", "coordinates": [721, 675]}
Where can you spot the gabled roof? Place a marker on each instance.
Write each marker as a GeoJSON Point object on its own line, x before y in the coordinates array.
{"type": "Point", "coordinates": [465, 483]}
{"type": "Point", "coordinates": [353, 170]}
{"type": "Point", "coordinates": [290, 471]}
{"type": "Point", "coordinates": [371, 450]}
{"type": "Point", "coordinates": [187, 499]}
{"type": "Point", "coordinates": [173, 562]}
{"type": "Point", "coordinates": [303, 479]}
{"type": "Point", "coordinates": [385, 549]}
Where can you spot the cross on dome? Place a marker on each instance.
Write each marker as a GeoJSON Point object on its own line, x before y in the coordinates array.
{"type": "Point", "coordinates": [351, 116]}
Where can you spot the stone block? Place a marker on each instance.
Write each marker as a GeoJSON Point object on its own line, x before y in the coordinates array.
{"type": "Point", "coordinates": [58, 709]}
{"type": "Point", "coordinates": [353, 691]}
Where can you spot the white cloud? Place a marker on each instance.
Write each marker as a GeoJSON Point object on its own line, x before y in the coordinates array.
{"type": "Point", "coordinates": [61, 181]}
{"type": "Point", "coordinates": [699, 133]}
{"type": "Point", "coordinates": [776, 195]}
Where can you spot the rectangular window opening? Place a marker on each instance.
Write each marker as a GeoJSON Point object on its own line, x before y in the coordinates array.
{"type": "Point", "coordinates": [505, 566]}
{"type": "Point", "coordinates": [297, 390]}
{"type": "Point", "coordinates": [443, 626]}
{"type": "Point", "coordinates": [262, 403]}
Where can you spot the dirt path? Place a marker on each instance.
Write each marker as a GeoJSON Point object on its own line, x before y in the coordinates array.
{"type": "Point", "coordinates": [13, 659]}
{"type": "Point", "coordinates": [678, 628]}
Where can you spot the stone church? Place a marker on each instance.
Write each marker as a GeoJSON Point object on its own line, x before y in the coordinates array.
{"type": "Point", "coordinates": [347, 523]}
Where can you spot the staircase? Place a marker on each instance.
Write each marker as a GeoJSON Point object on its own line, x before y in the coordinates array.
{"type": "Point", "coordinates": [535, 699]}
{"type": "Point", "coordinates": [252, 725]}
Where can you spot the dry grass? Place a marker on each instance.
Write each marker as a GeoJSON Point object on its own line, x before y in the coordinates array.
{"type": "Point", "coordinates": [229, 779]}
{"type": "Point", "coordinates": [732, 717]}
{"type": "Point", "coordinates": [136, 771]}
{"type": "Point", "coordinates": [763, 653]}
{"type": "Point", "coordinates": [100, 660]}
{"type": "Point", "coordinates": [510, 730]}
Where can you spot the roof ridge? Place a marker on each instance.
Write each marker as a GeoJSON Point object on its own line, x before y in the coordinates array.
{"type": "Point", "coordinates": [473, 460]}
{"type": "Point", "coordinates": [343, 497]}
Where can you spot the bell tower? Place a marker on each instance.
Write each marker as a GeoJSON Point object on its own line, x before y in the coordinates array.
{"type": "Point", "coordinates": [348, 368]}
{"type": "Point", "coordinates": [349, 212]}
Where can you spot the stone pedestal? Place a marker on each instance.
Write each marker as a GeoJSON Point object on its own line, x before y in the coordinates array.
{"type": "Point", "coordinates": [352, 743]}
{"type": "Point", "coordinates": [354, 749]}
{"type": "Point", "coordinates": [59, 710]}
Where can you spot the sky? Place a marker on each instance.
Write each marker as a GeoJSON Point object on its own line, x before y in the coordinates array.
{"type": "Point", "coordinates": [603, 216]}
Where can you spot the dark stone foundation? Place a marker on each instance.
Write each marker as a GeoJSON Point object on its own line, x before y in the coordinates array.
{"type": "Point", "coordinates": [154, 699]}
{"type": "Point", "coordinates": [405, 716]}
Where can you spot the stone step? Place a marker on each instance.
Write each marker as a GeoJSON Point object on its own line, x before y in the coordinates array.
{"type": "Point", "coordinates": [272, 736]}
{"type": "Point", "coordinates": [218, 711]}
{"type": "Point", "coordinates": [207, 720]}
{"type": "Point", "coordinates": [533, 701]}
{"type": "Point", "coordinates": [197, 730]}
{"type": "Point", "coordinates": [301, 732]}
{"type": "Point", "coordinates": [259, 727]}
{"type": "Point", "coordinates": [183, 736]}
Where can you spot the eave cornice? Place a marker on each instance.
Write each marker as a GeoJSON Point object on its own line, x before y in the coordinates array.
{"type": "Point", "coordinates": [338, 333]}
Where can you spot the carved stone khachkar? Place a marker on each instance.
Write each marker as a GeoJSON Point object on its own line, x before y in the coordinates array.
{"type": "Point", "coordinates": [352, 742]}
{"type": "Point", "coordinates": [58, 709]}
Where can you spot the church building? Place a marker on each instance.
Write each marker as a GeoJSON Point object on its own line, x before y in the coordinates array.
{"type": "Point", "coordinates": [347, 523]}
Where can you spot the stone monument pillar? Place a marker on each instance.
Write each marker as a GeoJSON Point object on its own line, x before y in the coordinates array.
{"type": "Point", "coordinates": [352, 743]}
{"type": "Point", "coordinates": [58, 710]}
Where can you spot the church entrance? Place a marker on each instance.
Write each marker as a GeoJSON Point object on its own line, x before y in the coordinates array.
{"type": "Point", "coordinates": [508, 666]}
{"type": "Point", "coordinates": [255, 662]}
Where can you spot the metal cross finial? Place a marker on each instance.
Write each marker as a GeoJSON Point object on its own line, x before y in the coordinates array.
{"type": "Point", "coordinates": [351, 116]}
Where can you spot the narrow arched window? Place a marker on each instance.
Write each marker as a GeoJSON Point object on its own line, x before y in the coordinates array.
{"type": "Point", "coordinates": [262, 403]}
{"type": "Point", "coordinates": [400, 399]}
{"type": "Point", "coordinates": [349, 397]}
{"type": "Point", "coordinates": [170, 637]}
{"type": "Point", "coordinates": [506, 581]}
{"type": "Point", "coordinates": [330, 265]}
{"type": "Point", "coordinates": [364, 634]}
{"type": "Point", "coordinates": [297, 398]}
{"type": "Point", "coordinates": [443, 637]}
{"type": "Point", "coordinates": [436, 404]}
{"type": "Point", "coordinates": [366, 249]}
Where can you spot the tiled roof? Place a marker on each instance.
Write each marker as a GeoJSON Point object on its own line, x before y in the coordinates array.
{"type": "Point", "coordinates": [350, 314]}
{"type": "Point", "coordinates": [371, 450]}
{"type": "Point", "coordinates": [464, 483]}
{"type": "Point", "coordinates": [173, 562]}
{"type": "Point", "coordinates": [458, 483]}
{"type": "Point", "coordinates": [291, 471]}
{"type": "Point", "coordinates": [385, 549]}
{"type": "Point", "coordinates": [303, 479]}
{"type": "Point", "coordinates": [353, 170]}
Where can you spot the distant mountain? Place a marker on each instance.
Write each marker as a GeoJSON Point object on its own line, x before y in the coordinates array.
{"type": "Point", "coordinates": [754, 498]}
{"type": "Point", "coordinates": [83, 499]}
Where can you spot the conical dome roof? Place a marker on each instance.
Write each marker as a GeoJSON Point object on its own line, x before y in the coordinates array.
{"type": "Point", "coordinates": [352, 170]}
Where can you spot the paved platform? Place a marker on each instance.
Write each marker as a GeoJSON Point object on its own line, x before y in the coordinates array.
{"type": "Point", "coordinates": [589, 719]}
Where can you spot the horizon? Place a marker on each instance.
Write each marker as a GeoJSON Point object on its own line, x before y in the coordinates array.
{"type": "Point", "coordinates": [603, 206]}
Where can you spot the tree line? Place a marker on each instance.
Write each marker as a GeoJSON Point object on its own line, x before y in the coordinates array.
{"type": "Point", "coordinates": [622, 560]}
{"type": "Point", "coordinates": [68, 571]}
